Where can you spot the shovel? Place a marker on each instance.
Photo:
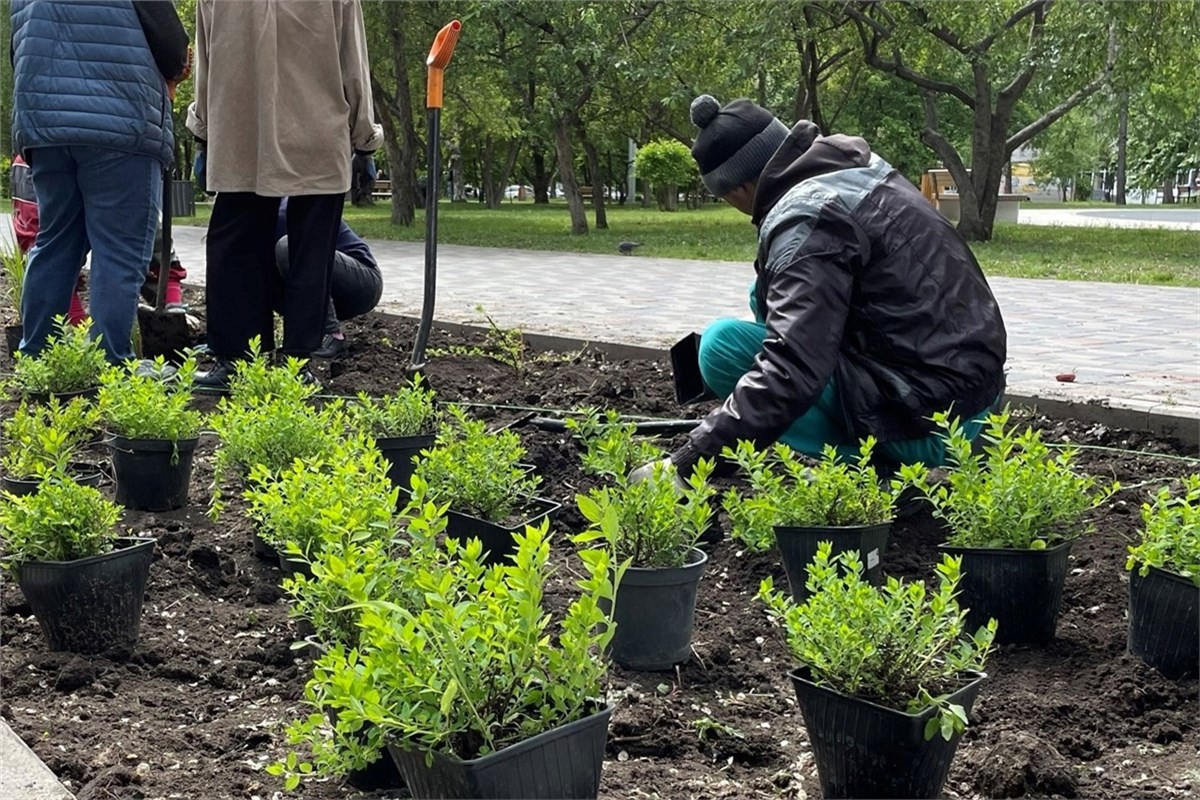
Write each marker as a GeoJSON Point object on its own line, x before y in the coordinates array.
{"type": "Point", "coordinates": [162, 333]}
{"type": "Point", "coordinates": [439, 57]}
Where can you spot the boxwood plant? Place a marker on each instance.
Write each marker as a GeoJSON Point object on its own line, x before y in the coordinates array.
{"type": "Point", "coordinates": [784, 490]}
{"type": "Point", "coordinates": [62, 521]}
{"type": "Point", "coordinates": [653, 522]}
{"type": "Point", "coordinates": [408, 412]}
{"type": "Point", "coordinates": [477, 666]}
{"type": "Point", "coordinates": [475, 471]}
{"type": "Point", "coordinates": [611, 447]}
{"type": "Point", "coordinates": [339, 495]}
{"type": "Point", "coordinates": [256, 379]}
{"type": "Point", "coordinates": [271, 432]}
{"type": "Point", "coordinates": [903, 646]}
{"type": "Point", "coordinates": [42, 440]}
{"type": "Point", "coordinates": [348, 574]}
{"type": "Point", "coordinates": [71, 362]}
{"type": "Point", "coordinates": [1170, 536]}
{"type": "Point", "coordinates": [142, 405]}
{"type": "Point", "coordinates": [1012, 493]}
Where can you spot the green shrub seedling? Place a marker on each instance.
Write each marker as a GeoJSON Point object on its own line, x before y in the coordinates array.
{"type": "Point", "coordinates": [255, 380]}
{"type": "Point", "coordinates": [408, 412]}
{"type": "Point", "coordinates": [475, 471]}
{"type": "Point", "coordinates": [650, 523]}
{"type": "Point", "coordinates": [150, 406]}
{"type": "Point", "coordinates": [1012, 494]}
{"type": "Point", "coordinates": [323, 500]}
{"type": "Point", "coordinates": [476, 667]}
{"type": "Point", "coordinates": [785, 491]}
{"type": "Point", "coordinates": [42, 440]}
{"type": "Point", "coordinates": [272, 432]}
{"type": "Point", "coordinates": [902, 646]}
{"type": "Point", "coordinates": [611, 447]}
{"type": "Point", "coordinates": [1170, 536]}
{"type": "Point", "coordinates": [71, 362]}
{"type": "Point", "coordinates": [62, 521]}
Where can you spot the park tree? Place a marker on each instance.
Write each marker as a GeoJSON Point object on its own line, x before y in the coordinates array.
{"type": "Point", "coordinates": [1071, 148]}
{"type": "Point", "coordinates": [985, 56]}
{"type": "Point", "coordinates": [667, 165]}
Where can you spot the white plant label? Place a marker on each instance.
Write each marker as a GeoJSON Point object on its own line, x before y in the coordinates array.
{"type": "Point", "coordinates": [873, 559]}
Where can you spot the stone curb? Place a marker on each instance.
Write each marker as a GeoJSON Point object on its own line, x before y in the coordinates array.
{"type": "Point", "coordinates": [23, 776]}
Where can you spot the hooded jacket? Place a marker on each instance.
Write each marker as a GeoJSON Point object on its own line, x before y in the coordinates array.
{"type": "Point", "coordinates": [863, 281]}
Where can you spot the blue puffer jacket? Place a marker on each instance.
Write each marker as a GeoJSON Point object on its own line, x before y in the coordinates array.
{"type": "Point", "coordinates": [84, 75]}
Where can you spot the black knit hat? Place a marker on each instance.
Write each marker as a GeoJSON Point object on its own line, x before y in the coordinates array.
{"type": "Point", "coordinates": [734, 142]}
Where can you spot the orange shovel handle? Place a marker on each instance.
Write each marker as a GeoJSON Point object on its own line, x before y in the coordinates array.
{"type": "Point", "coordinates": [439, 57]}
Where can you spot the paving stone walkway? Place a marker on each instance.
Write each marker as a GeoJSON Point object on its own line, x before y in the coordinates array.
{"type": "Point", "coordinates": [1134, 347]}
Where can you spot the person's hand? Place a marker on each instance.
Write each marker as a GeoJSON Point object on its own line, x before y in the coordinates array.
{"type": "Point", "coordinates": [647, 471]}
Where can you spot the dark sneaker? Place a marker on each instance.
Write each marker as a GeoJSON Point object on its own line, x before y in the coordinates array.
{"type": "Point", "coordinates": [331, 347]}
{"type": "Point", "coordinates": [216, 380]}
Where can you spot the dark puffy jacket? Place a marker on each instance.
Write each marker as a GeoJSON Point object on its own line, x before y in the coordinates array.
{"type": "Point", "coordinates": [863, 281]}
{"type": "Point", "coordinates": [84, 74]}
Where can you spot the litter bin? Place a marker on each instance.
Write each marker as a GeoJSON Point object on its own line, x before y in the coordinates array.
{"type": "Point", "coordinates": [183, 199]}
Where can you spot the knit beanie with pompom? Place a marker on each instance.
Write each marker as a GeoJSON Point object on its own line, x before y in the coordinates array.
{"type": "Point", "coordinates": [734, 142]}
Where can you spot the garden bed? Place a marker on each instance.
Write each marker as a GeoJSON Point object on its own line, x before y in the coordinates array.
{"type": "Point", "coordinates": [197, 709]}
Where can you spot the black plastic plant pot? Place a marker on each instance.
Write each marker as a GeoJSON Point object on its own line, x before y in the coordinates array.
{"type": "Point", "coordinates": [564, 762]}
{"type": "Point", "coordinates": [1020, 589]}
{"type": "Point", "coordinates": [798, 547]}
{"type": "Point", "coordinates": [401, 452]}
{"type": "Point", "coordinates": [655, 612]}
{"type": "Point", "coordinates": [92, 604]}
{"type": "Point", "coordinates": [293, 566]}
{"type": "Point", "coordinates": [264, 549]}
{"type": "Point", "coordinates": [382, 773]}
{"type": "Point", "coordinates": [151, 474]}
{"type": "Point", "coordinates": [63, 397]}
{"type": "Point", "coordinates": [1164, 622]}
{"type": "Point", "coordinates": [865, 750]}
{"type": "Point", "coordinates": [84, 477]}
{"type": "Point", "coordinates": [497, 539]}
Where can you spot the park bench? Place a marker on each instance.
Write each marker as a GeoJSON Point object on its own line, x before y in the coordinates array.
{"type": "Point", "coordinates": [382, 190]}
{"type": "Point", "coordinates": [938, 187]}
{"type": "Point", "coordinates": [586, 193]}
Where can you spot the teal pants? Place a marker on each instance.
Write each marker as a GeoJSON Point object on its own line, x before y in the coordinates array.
{"type": "Point", "coordinates": [727, 351]}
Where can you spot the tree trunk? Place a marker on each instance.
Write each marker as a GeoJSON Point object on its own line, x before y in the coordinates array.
{"type": "Point", "coordinates": [1122, 142]}
{"type": "Point", "coordinates": [403, 146]}
{"type": "Point", "coordinates": [540, 178]}
{"type": "Point", "coordinates": [458, 180]}
{"type": "Point", "coordinates": [1168, 191]}
{"type": "Point", "coordinates": [565, 150]}
{"type": "Point", "coordinates": [1008, 177]}
{"type": "Point", "coordinates": [403, 198]}
{"type": "Point", "coordinates": [597, 178]}
{"type": "Point", "coordinates": [489, 192]}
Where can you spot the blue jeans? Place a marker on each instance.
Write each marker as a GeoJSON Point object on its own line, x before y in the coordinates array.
{"type": "Point", "coordinates": [94, 197]}
{"type": "Point", "coordinates": [727, 351]}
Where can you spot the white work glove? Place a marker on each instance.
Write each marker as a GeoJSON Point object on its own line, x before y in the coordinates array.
{"type": "Point", "coordinates": [646, 471]}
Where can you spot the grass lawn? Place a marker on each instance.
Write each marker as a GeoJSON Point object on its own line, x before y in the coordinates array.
{"type": "Point", "coordinates": [718, 232]}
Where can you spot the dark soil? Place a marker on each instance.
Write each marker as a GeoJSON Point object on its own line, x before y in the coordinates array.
{"type": "Point", "coordinates": [196, 709]}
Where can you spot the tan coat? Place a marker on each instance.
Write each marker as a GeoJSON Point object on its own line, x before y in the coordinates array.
{"type": "Point", "coordinates": [283, 94]}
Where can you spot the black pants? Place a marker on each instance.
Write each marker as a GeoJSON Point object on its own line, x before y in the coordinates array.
{"type": "Point", "coordinates": [244, 287]}
{"type": "Point", "coordinates": [354, 289]}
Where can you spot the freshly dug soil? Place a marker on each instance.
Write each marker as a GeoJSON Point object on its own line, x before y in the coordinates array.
{"type": "Point", "coordinates": [196, 709]}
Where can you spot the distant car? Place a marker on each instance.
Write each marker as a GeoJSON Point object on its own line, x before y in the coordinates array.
{"type": "Point", "coordinates": [518, 192]}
